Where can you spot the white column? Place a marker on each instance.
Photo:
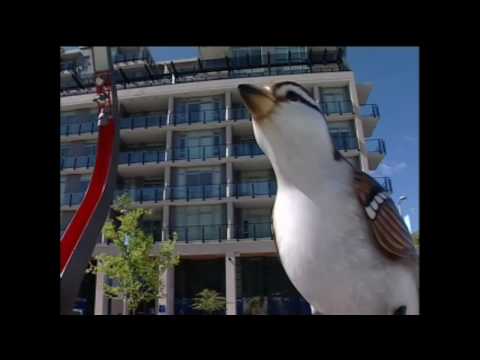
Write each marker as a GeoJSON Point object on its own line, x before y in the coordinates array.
{"type": "Point", "coordinates": [228, 104]}
{"type": "Point", "coordinates": [170, 290]}
{"type": "Point", "coordinates": [165, 222]}
{"type": "Point", "coordinates": [228, 140]}
{"type": "Point", "coordinates": [230, 283]}
{"type": "Point", "coordinates": [168, 145]}
{"type": "Point", "coordinates": [316, 94]}
{"type": "Point", "coordinates": [170, 110]}
{"type": "Point", "coordinates": [230, 221]}
{"type": "Point", "coordinates": [168, 298]}
{"type": "Point", "coordinates": [166, 181]}
{"type": "Point", "coordinates": [100, 299]}
{"type": "Point", "coordinates": [230, 181]}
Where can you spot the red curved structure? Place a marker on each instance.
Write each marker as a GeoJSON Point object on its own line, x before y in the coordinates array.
{"type": "Point", "coordinates": [78, 225]}
{"type": "Point", "coordinates": [80, 237]}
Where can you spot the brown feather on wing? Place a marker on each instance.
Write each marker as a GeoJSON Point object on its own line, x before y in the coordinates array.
{"type": "Point", "coordinates": [387, 225]}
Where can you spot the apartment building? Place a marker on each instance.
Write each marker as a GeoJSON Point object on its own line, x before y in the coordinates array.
{"type": "Point", "coordinates": [188, 153]}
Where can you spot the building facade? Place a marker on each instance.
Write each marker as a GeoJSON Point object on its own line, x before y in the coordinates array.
{"type": "Point", "coordinates": [188, 153]}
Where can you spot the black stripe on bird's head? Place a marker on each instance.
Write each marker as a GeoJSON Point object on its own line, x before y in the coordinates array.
{"type": "Point", "coordinates": [262, 101]}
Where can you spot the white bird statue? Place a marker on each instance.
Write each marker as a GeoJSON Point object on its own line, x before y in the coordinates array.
{"type": "Point", "coordinates": [339, 235]}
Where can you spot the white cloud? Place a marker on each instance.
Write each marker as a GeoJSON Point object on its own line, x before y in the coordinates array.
{"type": "Point", "coordinates": [385, 169]}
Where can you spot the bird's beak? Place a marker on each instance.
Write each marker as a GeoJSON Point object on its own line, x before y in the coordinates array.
{"type": "Point", "coordinates": [259, 101]}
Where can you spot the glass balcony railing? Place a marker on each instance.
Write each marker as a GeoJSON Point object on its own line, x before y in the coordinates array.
{"type": "Point", "coordinates": [376, 146]}
{"type": "Point", "coordinates": [255, 188]}
{"type": "Point", "coordinates": [239, 113]}
{"type": "Point", "coordinates": [246, 149]}
{"type": "Point", "coordinates": [201, 233]}
{"type": "Point", "coordinates": [194, 117]}
{"type": "Point", "coordinates": [253, 231]}
{"type": "Point", "coordinates": [75, 162]}
{"type": "Point", "coordinates": [386, 182]}
{"type": "Point", "coordinates": [216, 69]}
{"type": "Point", "coordinates": [86, 127]}
{"type": "Point", "coordinates": [369, 110]}
{"type": "Point", "coordinates": [336, 107]}
{"type": "Point", "coordinates": [143, 122]}
{"type": "Point", "coordinates": [344, 141]}
{"type": "Point", "coordinates": [142, 194]}
{"type": "Point", "coordinates": [212, 191]}
{"type": "Point", "coordinates": [198, 152]}
{"type": "Point", "coordinates": [71, 199]}
{"type": "Point", "coordinates": [141, 157]}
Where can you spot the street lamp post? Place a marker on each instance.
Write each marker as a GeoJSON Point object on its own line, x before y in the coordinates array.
{"type": "Point", "coordinates": [402, 198]}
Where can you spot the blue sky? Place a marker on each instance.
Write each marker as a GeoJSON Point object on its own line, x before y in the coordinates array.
{"type": "Point", "coordinates": [394, 73]}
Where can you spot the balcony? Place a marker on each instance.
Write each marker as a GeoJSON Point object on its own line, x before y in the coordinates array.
{"type": "Point", "coordinates": [198, 117]}
{"type": "Point", "coordinates": [198, 152]}
{"type": "Point", "coordinates": [376, 152]}
{"type": "Point", "coordinates": [255, 189]}
{"type": "Point", "coordinates": [370, 115]}
{"type": "Point", "coordinates": [72, 199]}
{"type": "Point", "coordinates": [386, 182]}
{"type": "Point", "coordinates": [202, 233]}
{"type": "Point", "coordinates": [143, 122]}
{"type": "Point", "coordinates": [239, 113]}
{"type": "Point", "coordinates": [330, 108]}
{"type": "Point", "coordinates": [217, 69]}
{"type": "Point", "coordinates": [246, 149]}
{"type": "Point", "coordinates": [197, 192]}
{"type": "Point", "coordinates": [80, 127]}
{"type": "Point", "coordinates": [141, 157]}
{"type": "Point", "coordinates": [77, 162]}
{"type": "Point", "coordinates": [344, 141]}
{"type": "Point", "coordinates": [253, 231]}
{"type": "Point", "coordinates": [141, 195]}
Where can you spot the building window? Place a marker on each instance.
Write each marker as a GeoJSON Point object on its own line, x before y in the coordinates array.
{"type": "Point", "coordinates": [335, 100]}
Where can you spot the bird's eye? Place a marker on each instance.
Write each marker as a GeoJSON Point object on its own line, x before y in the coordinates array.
{"type": "Point", "coordinates": [292, 96]}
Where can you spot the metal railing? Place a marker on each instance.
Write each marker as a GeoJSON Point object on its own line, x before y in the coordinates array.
{"type": "Point", "coordinates": [87, 127]}
{"type": "Point", "coordinates": [223, 68]}
{"type": "Point", "coordinates": [216, 232]}
{"type": "Point", "coordinates": [246, 149]}
{"type": "Point", "coordinates": [141, 157]}
{"type": "Point", "coordinates": [376, 146]}
{"type": "Point", "coordinates": [386, 182]}
{"type": "Point", "coordinates": [255, 188]}
{"type": "Point", "coordinates": [344, 142]}
{"type": "Point", "coordinates": [239, 112]}
{"type": "Point", "coordinates": [147, 121]}
{"type": "Point", "coordinates": [336, 107]}
{"type": "Point", "coordinates": [369, 110]}
{"type": "Point", "coordinates": [195, 192]}
{"type": "Point", "coordinates": [253, 231]}
{"type": "Point", "coordinates": [71, 199]}
{"type": "Point", "coordinates": [195, 117]}
{"type": "Point", "coordinates": [75, 162]}
{"type": "Point", "coordinates": [202, 152]}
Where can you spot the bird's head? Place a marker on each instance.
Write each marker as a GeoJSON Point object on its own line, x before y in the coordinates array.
{"type": "Point", "coordinates": [288, 124]}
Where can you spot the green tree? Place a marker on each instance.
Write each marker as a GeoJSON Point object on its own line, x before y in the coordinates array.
{"type": "Point", "coordinates": [136, 274]}
{"type": "Point", "coordinates": [209, 301]}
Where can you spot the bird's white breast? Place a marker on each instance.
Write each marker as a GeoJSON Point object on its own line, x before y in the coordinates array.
{"type": "Point", "coordinates": [327, 251]}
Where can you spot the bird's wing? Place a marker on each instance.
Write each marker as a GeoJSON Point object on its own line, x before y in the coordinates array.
{"type": "Point", "coordinates": [387, 225]}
